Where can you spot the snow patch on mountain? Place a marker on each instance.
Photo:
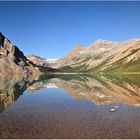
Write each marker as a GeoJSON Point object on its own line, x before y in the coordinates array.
{"type": "Point", "coordinates": [52, 60]}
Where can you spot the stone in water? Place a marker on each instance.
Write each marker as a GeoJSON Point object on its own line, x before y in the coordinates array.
{"type": "Point", "coordinates": [112, 110]}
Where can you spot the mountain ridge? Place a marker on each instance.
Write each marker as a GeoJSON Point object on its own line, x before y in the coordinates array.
{"type": "Point", "coordinates": [101, 56]}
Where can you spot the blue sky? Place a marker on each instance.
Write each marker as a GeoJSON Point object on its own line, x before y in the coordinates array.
{"type": "Point", "coordinates": [52, 29]}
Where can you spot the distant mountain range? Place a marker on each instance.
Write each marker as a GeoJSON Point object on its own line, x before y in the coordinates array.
{"type": "Point", "coordinates": [41, 61]}
{"type": "Point", "coordinates": [101, 56]}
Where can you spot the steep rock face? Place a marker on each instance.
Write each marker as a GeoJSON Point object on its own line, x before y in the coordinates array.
{"type": "Point", "coordinates": [12, 59]}
{"type": "Point", "coordinates": [74, 52]}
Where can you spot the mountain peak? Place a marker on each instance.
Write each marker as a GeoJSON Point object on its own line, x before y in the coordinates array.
{"type": "Point", "coordinates": [77, 47]}
{"type": "Point", "coordinates": [33, 57]}
{"type": "Point", "coordinates": [103, 41]}
{"type": "Point", "coordinates": [1, 34]}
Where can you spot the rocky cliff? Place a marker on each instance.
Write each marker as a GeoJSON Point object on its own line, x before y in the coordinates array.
{"type": "Point", "coordinates": [12, 59]}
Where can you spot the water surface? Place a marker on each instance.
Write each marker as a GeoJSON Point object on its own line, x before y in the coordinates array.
{"type": "Point", "coordinates": [72, 106]}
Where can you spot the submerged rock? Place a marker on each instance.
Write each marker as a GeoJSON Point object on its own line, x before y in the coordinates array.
{"type": "Point", "coordinates": [113, 110]}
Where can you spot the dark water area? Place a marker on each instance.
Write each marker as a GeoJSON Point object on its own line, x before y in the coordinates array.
{"type": "Point", "coordinates": [70, 106]}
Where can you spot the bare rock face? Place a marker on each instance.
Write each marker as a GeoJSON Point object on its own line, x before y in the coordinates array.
{"type": "Point", "coordinates": [12, 60]}
{"type": "Point", "coordinates": [74, 52]}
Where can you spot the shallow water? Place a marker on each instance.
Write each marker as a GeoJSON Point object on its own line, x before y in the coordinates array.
{"type": "Point", "coordinates": [77, 106]}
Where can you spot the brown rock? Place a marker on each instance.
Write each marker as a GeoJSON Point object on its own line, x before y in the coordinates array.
{"type": "Point", "coordinates": [12, 58]}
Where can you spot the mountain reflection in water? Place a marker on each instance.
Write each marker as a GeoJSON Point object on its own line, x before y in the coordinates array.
{"type": "Point", "coordinates": [11, 88]}
{"type": "Point", "coordinates": [100, 90]}
{"type": "Point", "coordinates": [97, 89]}
{"type": "Point", "coordinates": [70, 106]}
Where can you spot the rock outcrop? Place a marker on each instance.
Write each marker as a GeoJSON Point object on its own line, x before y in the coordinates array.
{"type": "Point", "coordinates": [12, 59]}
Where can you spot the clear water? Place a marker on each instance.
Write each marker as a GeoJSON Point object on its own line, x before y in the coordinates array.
{"type": "Point", "coordinates": [71, 106]}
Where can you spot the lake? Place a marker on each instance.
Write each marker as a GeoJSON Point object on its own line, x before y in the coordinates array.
{"type": "Point", "coordinates": [70, 106]}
